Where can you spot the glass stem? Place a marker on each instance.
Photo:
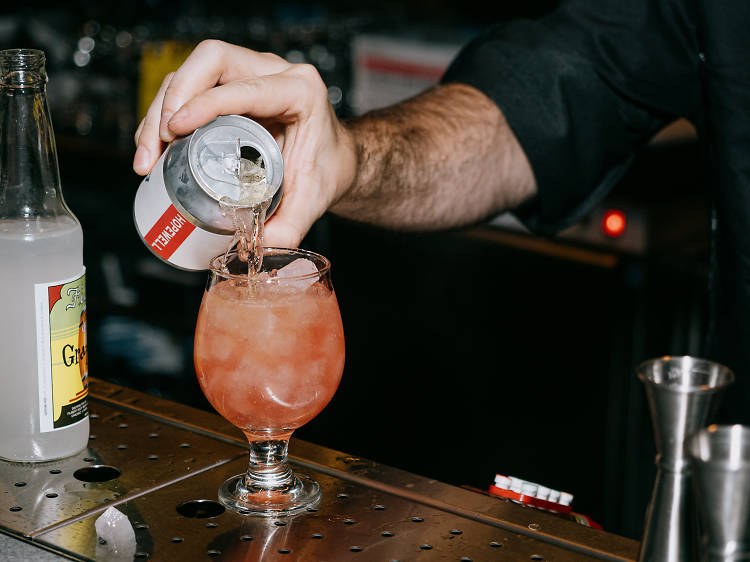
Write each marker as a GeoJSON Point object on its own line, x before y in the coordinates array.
{"type": "Point", "coordinates": [268, 468]}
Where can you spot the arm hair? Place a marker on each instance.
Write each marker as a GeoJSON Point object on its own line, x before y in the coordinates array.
{"type": "Point", "coordinates": [443, 159]}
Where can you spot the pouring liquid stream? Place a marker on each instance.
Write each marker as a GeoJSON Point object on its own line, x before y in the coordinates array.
{"type": "Point", "coordinates": [248, 215]}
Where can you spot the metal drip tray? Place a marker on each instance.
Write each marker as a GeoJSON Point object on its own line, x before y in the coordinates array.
{"type": "Point", "coordinates": [351, 519]}
{"type": "Point", "coordinates": [171, 460]}
{"type": "Point", "coordinates": [128, 455]}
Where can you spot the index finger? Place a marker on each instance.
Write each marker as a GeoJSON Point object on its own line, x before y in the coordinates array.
{"type": "Point", "coordinates": [287, 96]}
{"type": "Point", "coordinates": [213, 63]}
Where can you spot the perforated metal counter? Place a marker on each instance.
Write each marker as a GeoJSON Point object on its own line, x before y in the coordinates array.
{"type": "Point", "coordinates": [160, 464]}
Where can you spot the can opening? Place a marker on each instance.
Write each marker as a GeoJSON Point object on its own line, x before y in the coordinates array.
{"type": "Point", "coordinates": [248, 152]}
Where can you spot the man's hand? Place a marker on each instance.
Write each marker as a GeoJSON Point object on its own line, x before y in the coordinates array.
{"type": "Point", "coordinates": [443, 159]}
{"type": "Point", "coordinates": [290, 100]}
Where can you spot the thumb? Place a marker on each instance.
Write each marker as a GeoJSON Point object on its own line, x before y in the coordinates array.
{"type": "Point", "coordinates": [280, 232]}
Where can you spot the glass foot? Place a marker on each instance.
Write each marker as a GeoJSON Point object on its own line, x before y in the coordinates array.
{"type": "Point", "coordinates": [302, 493]}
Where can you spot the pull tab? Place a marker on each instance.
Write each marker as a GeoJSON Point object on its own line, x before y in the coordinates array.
{"type": "Point", "coordinates": [235, 162]}
{"type": "Point", "coordinates": [237, 178]}
{"type": "Point", "coordinates": [218, 165]}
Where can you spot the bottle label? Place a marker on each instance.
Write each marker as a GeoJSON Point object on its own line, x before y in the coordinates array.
{"type": "Point", "coordinates": [62, 352]}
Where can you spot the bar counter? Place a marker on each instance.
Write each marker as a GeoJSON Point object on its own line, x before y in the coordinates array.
{"type": "Point", "coordinates": [160, 464]}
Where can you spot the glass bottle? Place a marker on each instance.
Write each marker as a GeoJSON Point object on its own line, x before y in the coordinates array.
{"type": "Point", "coordinates": [44, 367]}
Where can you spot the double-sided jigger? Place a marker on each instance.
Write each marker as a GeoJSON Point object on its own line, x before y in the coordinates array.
{"type": "Point", "coordinates": [681, 393]}
{"type": "Point", "coordinates": [720, 464]}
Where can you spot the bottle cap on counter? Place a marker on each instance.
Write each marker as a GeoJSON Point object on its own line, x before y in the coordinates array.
{"type": "Point", "coordinates": [516, 484]}
{"type": "Point", "coordinates": [566, 498]}
{"type": "Point", "coordinates": [502, 482]}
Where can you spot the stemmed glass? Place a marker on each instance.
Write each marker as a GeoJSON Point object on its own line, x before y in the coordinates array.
{"type": "Point", "coordinates": [269, 353]}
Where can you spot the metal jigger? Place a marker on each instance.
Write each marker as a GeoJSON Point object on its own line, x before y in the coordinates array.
{"type": "Point", "coordinates": [720, 464]}
{"type": "Point", "coordinates": [681, 394]}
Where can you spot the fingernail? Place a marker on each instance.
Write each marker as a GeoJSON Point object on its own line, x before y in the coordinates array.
{"type": "Point", "coordinates": [141, 159]}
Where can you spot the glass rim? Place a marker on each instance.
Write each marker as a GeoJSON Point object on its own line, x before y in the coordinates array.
{"type": "Point", "coordinates": [19, 59]}
{"type": "Point", "coordinates": [213, 265]}
{"type": "Point", "coordinates": [23, 68]}
{"type": "Point", "coordinates": [24, 52]}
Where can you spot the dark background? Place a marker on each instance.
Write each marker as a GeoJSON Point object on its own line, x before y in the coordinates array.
{"type": "Point", "coordinates": [468, 353]}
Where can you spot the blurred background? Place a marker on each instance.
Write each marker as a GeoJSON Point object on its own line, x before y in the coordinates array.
{"type": "Point", "coordinates": [470, 352]}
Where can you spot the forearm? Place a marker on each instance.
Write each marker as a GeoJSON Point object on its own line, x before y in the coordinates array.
{"type": "Point", "coordinates": [443, 159]}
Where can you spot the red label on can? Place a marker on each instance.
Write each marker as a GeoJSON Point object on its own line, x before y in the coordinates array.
{"type": "Point", "coordinates": [169, 232]}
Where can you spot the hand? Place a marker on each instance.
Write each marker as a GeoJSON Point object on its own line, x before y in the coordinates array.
{"type": "Point", "coordinates": [290, 100]}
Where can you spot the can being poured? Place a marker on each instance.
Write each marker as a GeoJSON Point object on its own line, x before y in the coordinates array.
{"type": "Point", "coordinates": [180, 208]}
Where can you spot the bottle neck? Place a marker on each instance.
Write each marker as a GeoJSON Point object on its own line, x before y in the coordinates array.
{"type": "Point", "coordinates": [29, 176]}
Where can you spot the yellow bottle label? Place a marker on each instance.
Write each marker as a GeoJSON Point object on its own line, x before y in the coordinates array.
{"type": "Point", "coordinates": [62, 352]}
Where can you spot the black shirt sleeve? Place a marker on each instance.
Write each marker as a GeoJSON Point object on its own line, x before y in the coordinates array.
{"type": "Point", "coordinates": [582, 89]}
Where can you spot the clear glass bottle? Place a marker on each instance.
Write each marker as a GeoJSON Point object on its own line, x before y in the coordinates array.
{"type": "Point", "coordinates": [44, 367]}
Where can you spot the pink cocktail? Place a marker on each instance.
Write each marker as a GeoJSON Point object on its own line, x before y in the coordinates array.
{"type": "Point", "coordinates": [269, 354]}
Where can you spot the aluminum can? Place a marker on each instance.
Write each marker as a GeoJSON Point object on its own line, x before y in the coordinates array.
{"type": "Point", "coordinates": [177, 211]}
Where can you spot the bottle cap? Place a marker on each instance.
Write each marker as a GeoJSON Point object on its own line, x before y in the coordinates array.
{"type": "Point", "coordinates": [502, 482]}
{"type": "Point", "coordinates": [516, 484]}
{"type": "Point", "coordinates": [566, 498]}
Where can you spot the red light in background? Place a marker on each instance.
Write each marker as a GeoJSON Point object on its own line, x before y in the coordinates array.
{"type": "Point", "coordinates": [613, 223]}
